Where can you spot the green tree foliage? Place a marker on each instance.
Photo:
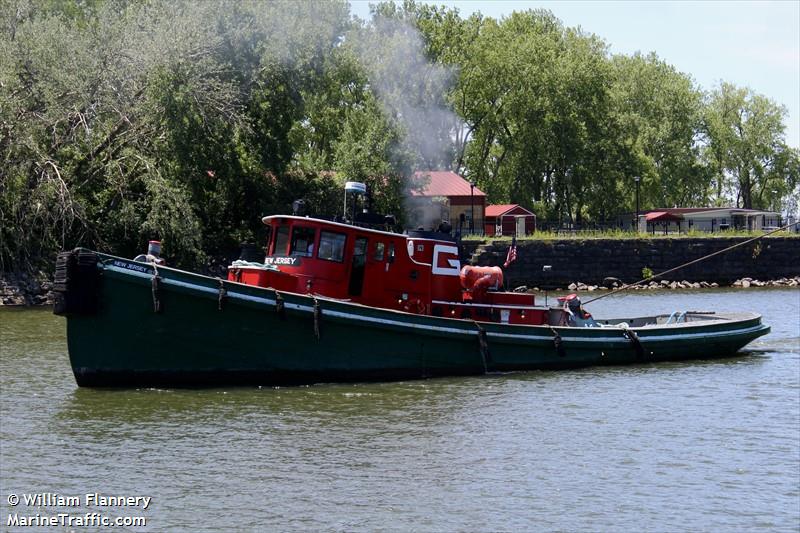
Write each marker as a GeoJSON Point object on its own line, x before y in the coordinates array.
{"type": "Point", "coordinates": [540, 115]}
{"type": "Point", "coordinates": [121, 121]}
{"type": "Point", "coordinates": [370, 150]}
{"type": "Point", "coordinates": [660, 111]}
{"type": "Point", "coordinates": [746, 148]}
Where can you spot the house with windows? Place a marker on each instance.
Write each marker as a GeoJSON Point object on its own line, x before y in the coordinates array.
{"type": "Point", "coordinates": [438, 196]}
{"type": "Point", "coordinates": [711, 219]}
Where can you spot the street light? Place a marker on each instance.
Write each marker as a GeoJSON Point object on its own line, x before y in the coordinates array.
{"type": "Point", "coordinates": [472, 206]}
{"type": "Point", "coordinates": [637, 179]}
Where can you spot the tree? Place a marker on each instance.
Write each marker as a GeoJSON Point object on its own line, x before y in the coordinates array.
{"type": "Point", "coordinates": [371, 150]}
{"type": "Point", "coordinates": [541, 116]}
{"type": "Point", "coordinates": [660, 112]}
{"type": "Point", "coordinates": [746, 147]}
{"type": "Point", "coordinates": [168, 119]}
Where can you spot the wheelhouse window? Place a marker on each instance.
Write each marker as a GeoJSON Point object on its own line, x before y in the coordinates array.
{"type": "Point", "coordinates": [302, 241]}
{"type": "Point", "coordinates": [281, 240]}
{"type": "Point", "coordinates": [379, 248]}
{"type": "Point", "coordinates": [331, 246]}
{"type": "Point", "coordinates": [268, 240]}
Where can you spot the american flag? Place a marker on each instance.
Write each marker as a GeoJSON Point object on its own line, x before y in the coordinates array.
{"type": "Point", "coordinates": [512, 252]}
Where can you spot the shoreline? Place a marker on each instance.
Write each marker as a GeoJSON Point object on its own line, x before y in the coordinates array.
{"type": "Point", "coordinates": [37, 291]}
{"type": "Point", "coordinates": [25, 290]}
{"type": "Point", "coordinates": [743, 283]}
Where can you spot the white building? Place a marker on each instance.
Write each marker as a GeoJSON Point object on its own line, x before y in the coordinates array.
{"type": "Point", "coordinates": [711, 219]}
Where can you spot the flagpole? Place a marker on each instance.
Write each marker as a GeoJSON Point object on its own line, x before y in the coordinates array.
{"type": "Point", "coordinates": [511, 256]}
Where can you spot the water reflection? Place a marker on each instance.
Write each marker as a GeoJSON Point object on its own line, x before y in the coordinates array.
{"type": "Point", "coordinates": [423, 402]}
{"type": "Point", "coordinates": [319, 405]}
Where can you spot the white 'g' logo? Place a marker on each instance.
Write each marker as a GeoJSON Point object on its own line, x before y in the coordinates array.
{"type": "Point", "coordinates": [454, 264]}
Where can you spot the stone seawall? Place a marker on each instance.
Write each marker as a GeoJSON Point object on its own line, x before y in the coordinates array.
{"type": "Point", "coordinates": [591, 261]}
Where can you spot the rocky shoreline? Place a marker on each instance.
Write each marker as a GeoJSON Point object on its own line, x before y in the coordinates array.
{"type": "Point", "coordinates": [25, 289]}
{"type": "Point", "coordinates": [20, 290]}
{"type": "Point", "coordinates": [30, 290]}
{"type": "Point", "coordinates": [743, 283]}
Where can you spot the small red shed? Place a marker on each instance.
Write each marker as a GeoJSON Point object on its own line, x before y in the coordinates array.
{"type": "Point", "coordinates": [664, 218]}
{"type": "Point", "coordinates": [508, 219]}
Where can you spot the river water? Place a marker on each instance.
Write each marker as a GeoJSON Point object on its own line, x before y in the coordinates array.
{"type": "Point", "coordinates": [699, 446]}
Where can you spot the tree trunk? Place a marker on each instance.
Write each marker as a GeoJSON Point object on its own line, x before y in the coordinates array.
{"type": "Point", "coordinates": [746, 186]}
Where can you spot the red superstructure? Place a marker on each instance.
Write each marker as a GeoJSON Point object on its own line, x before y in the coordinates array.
{"type": "Point", "coordinates": [417, 273]}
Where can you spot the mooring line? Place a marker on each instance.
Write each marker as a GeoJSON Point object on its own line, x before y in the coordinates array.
{"type": "Point", "coordinates": [709, 256]}
{"type": "Point", "coordinates": [222, 296]}
{"type": "Point", "coordinates": [558, 343]}
{"type": "Point", "coordinates": [155, 288]}
{"type": "Point", "coordinates": [483, 347]}
{"type": "Point", "coordinates": [317, 318]}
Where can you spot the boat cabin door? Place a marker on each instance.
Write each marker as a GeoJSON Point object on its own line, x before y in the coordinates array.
{"type": "Point", "coordinates": [357, 267]}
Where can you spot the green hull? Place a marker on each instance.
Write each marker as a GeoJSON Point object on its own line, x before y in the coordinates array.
{"type": "Point", "coordinates": [254, 336]}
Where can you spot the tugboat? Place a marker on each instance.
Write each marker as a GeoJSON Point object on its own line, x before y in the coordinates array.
{"type": "Point", "coordinates": [346, 300]}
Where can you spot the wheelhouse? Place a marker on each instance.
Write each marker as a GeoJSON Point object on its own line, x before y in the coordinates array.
{"type": "Point", "coordinates": [416, 273]}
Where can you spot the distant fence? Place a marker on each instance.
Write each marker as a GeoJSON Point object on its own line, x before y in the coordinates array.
{"type": "Point", "coordinates": [598, 228]}
{"type": "Point", "coordinates": [466, 229]}
{"type": "Point", "coordinates": [566, 228]}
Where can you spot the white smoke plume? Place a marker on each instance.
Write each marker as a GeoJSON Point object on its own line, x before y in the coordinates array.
{"type": "Point", "coordinates": [411, 89]}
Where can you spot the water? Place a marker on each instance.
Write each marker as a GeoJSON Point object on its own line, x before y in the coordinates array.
{"type": "Point", "coordinates": [700, 446]}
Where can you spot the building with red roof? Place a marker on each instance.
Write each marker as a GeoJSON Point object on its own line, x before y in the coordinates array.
{"type": "Point", "coordinates": [443, 196]}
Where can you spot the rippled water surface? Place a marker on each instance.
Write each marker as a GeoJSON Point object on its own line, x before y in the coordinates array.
{"type": "Point", "coordinates": [700, 446]}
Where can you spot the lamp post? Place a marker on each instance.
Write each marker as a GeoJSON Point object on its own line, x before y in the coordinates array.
{"type": "Point", "coordinates": [637, 179]}
{"type": "Point", "coordinates": [472, 206]}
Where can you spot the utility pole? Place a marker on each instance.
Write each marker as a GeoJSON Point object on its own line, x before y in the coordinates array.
{"type": "Point", "coordinates": [636, 225]}
{"type": "Point", "coordinates": [472, 206]}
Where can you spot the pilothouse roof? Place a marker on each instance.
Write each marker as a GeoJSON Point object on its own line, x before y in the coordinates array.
{"type": "Point", "coordinates": [319, 221]}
